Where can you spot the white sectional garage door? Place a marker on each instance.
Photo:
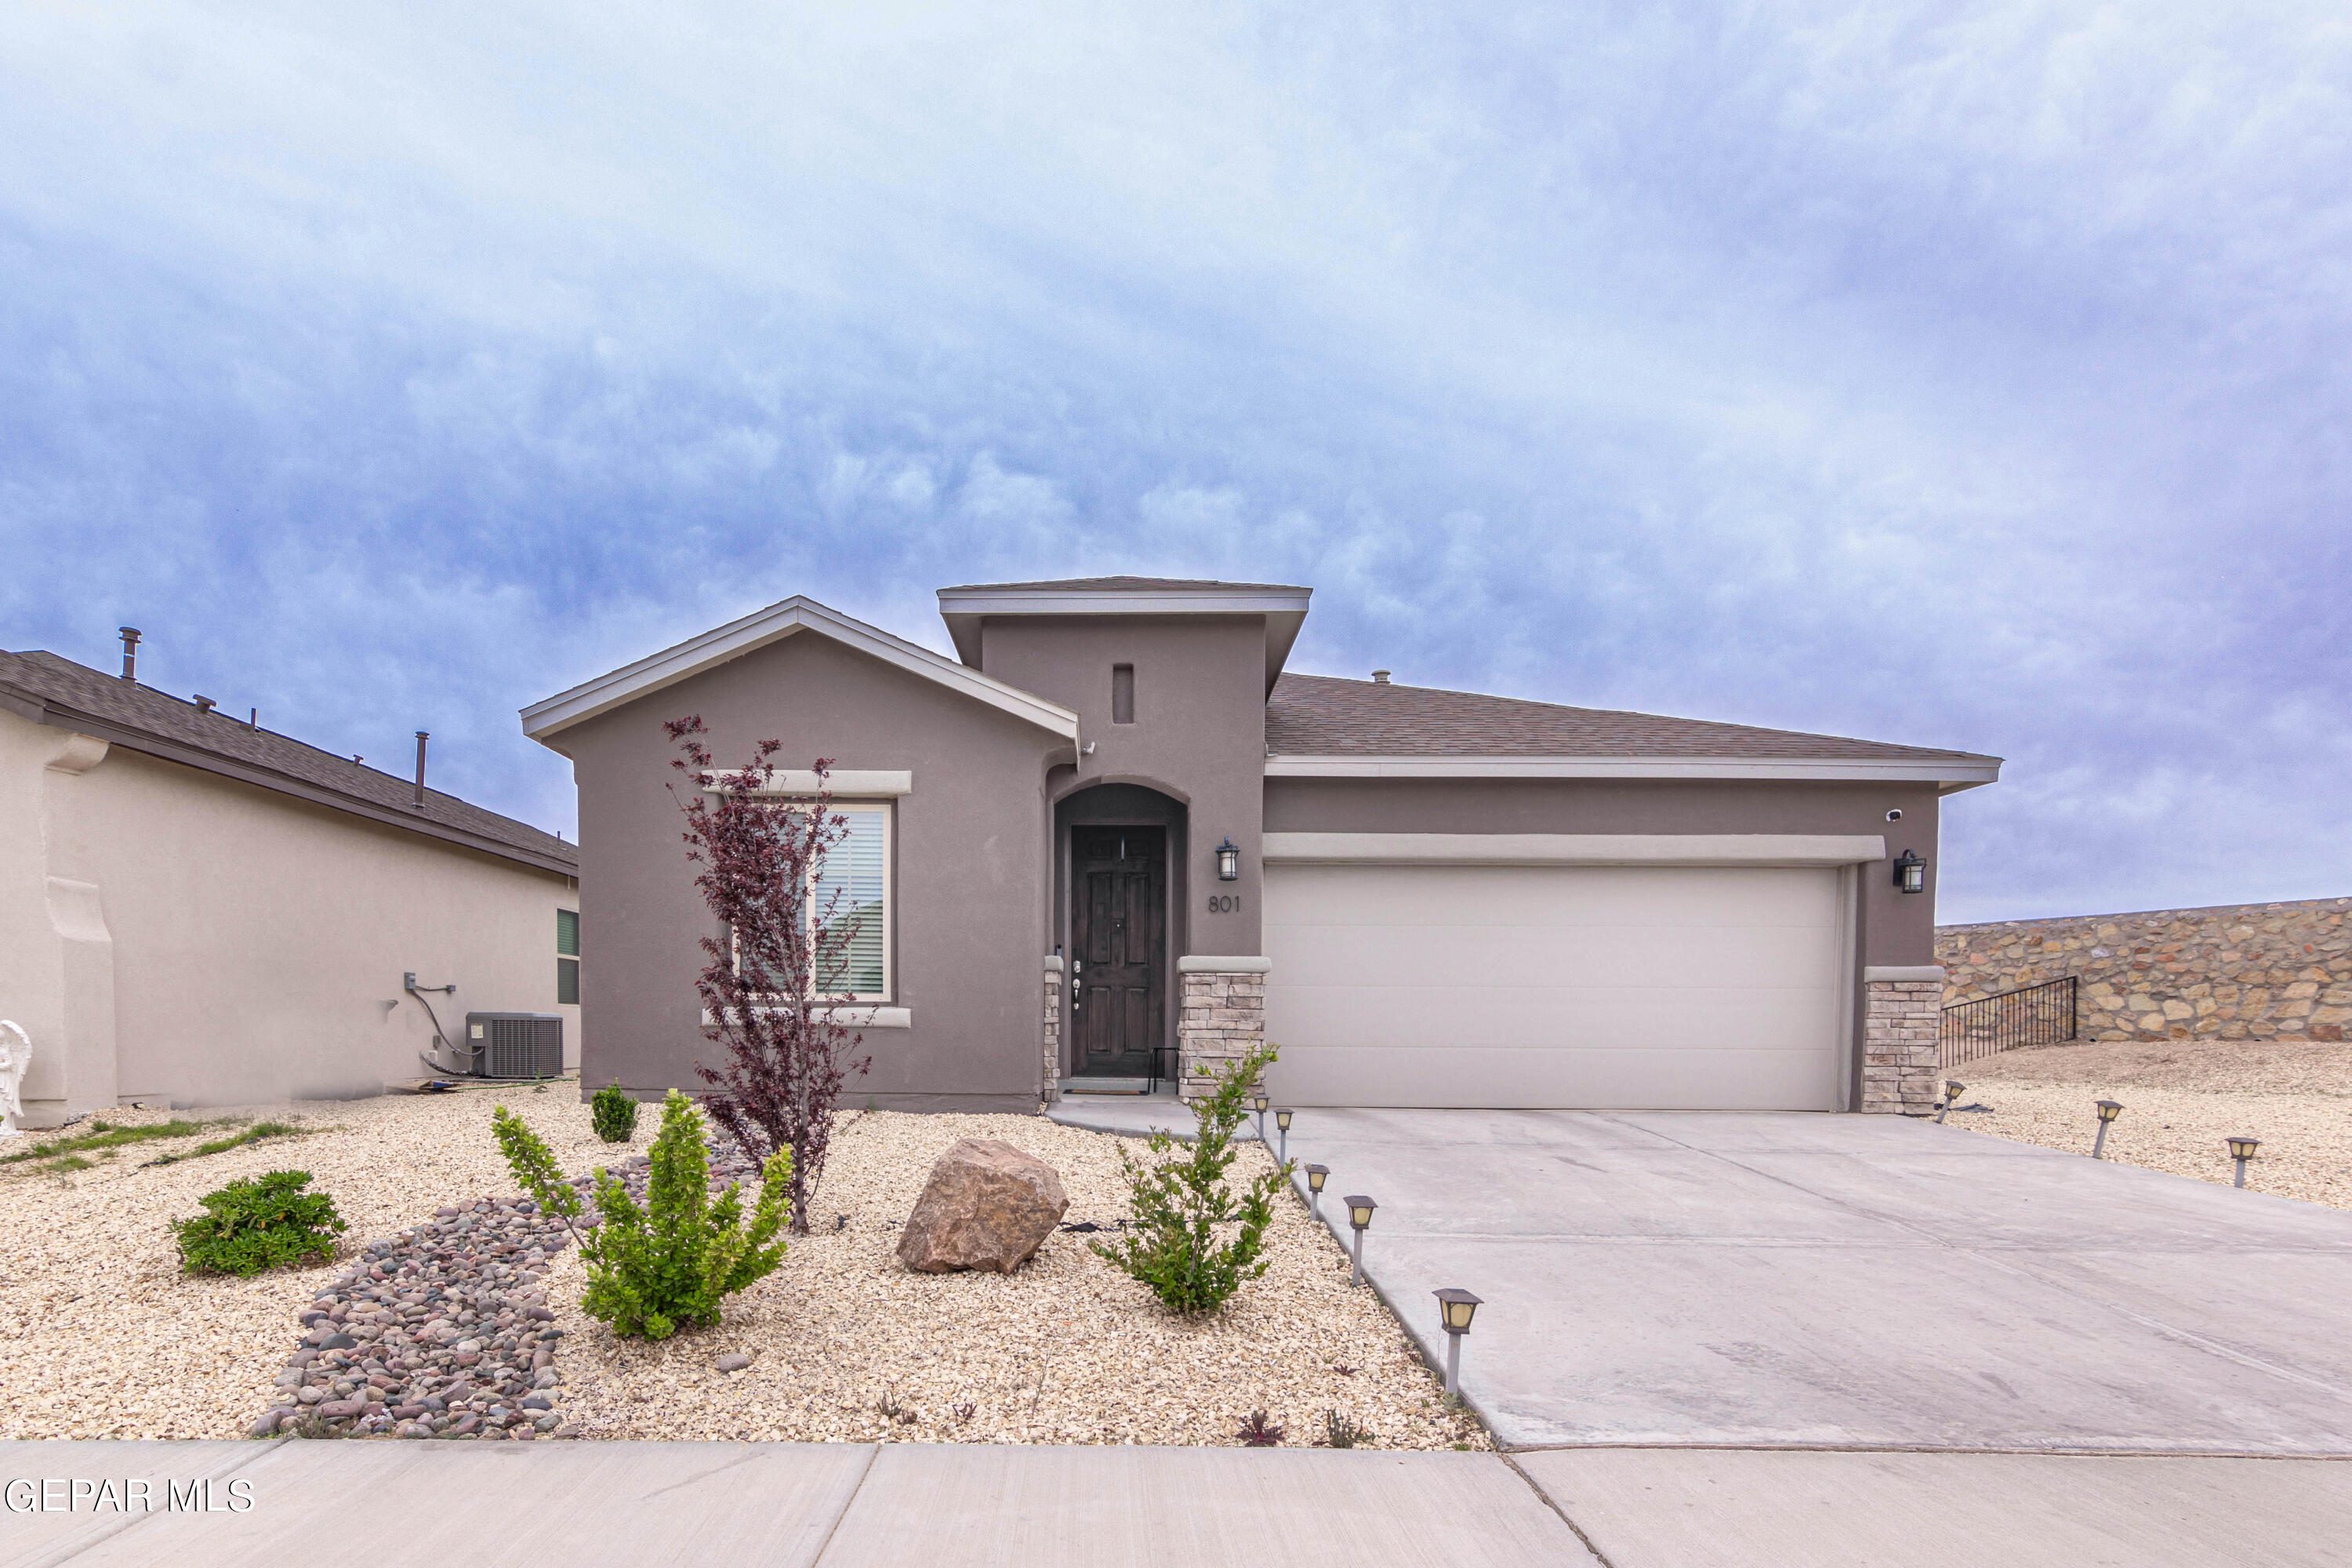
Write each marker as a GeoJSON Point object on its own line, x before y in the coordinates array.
{"type": "Point", "coordinates": [1555, 986]}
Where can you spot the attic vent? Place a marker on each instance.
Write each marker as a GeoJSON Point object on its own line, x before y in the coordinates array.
{"type": "Point", "coordinates": [516, 1045]}
{"type": "Point", "coordinates": [206, 704]}
{"type": "Point", "coordinates": [1380, 678]}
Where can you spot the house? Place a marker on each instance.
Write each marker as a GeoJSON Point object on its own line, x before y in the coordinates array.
{"type": "Point", "coordinates": [1426, 897]}
{"type": "Point", "coordinates": [198, 910]}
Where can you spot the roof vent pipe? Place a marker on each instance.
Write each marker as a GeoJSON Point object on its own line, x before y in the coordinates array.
{"type": "Point", "coordinates": [131, 654]}
{"type": "Point", "coordinates": [204, 704]}
{"type": "Point", "coordinates": [1380, 678]}
{"type": "Point", "coordinates": [422, 736]}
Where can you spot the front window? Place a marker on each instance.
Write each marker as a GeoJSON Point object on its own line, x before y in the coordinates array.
{"type": "Point", "coordinates": [852, 893]}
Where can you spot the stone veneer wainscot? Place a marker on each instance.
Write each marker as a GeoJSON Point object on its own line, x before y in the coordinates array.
{"type": "Point", "coordinates": [1050, 1087]}
{"type": "Point", "coordinates": [1901, 1012]}
{"type": "Point", "coordinates": [1222, 1017]}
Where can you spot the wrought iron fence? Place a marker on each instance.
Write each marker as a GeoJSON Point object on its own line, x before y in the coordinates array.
{"type": "Point", "coordinates": [2033, 1016]}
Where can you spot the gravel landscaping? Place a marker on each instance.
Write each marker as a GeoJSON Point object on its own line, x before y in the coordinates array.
{"type": "Point", "coordinates": [477, 1305]}
{"type": "Point", "coordinates": [2181, 1100]}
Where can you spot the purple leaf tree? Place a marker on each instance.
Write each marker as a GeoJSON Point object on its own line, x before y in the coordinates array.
{"type": "Point", "coordinates": [782, 961]}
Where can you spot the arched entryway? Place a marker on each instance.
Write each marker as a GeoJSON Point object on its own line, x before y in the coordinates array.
{"type": "Point", "coordinates": [1120, 854]}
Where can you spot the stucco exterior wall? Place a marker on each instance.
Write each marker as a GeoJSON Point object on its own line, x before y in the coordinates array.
{"type": "Point", "coordinates": [167, 934]}
{"type": "Point", "coordinates": [969, 856]}
{"type": "Point", "coordinates": [1199, 737]}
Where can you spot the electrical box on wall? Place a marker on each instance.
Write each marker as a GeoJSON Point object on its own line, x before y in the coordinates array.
{"type": "Point", "coordinates": [516, 1045]}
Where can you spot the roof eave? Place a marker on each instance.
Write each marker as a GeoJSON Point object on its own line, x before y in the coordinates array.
{"type": "Point", "coordinates": [1947, 774]}
{"type": "Point", "coordinates": [56, 715]}
{"type": "Point", "coordinates": [1285, 609]}
{"type": "Point", "coordinates": [545, 719]}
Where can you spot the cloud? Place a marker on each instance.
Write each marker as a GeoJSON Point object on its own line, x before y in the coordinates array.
{"type": "Point", "coordinates": [1966, 376]}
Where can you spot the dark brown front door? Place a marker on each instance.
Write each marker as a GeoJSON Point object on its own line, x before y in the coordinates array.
{"type": "Point", "coordinates": [1119, 931]}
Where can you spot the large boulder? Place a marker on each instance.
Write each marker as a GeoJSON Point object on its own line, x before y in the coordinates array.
{"type": "Point", "coordinates": [986, 1206]}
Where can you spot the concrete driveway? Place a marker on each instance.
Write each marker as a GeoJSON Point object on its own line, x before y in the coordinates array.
{"type": "Point", "coordinates": [1792, 1281]}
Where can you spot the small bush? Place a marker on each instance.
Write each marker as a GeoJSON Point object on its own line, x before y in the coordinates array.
{"type": "Point", "coordinates": [614, 1113]}
{"type": "Point", "coordinates": [1172, 1246]}
{"type": "Point", "coordinates": [267, 1222]}
{"type": "Point", "coordinates": [1257, 1432]}
{"type": "Point", "coordinates": [666, 1266]}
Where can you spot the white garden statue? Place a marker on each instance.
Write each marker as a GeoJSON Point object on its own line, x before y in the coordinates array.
{"type": "Point", "coordinates": [16, 1056]}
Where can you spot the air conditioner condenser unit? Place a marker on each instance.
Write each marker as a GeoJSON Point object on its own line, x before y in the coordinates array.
{"type": "Point", "coordinates": [516, 1045]}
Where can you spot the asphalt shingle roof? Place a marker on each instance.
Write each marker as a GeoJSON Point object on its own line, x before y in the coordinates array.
{"type": "Point", "coordinates": [131, 713]}
{"type": "Point", "coordinates": [1325, 716]}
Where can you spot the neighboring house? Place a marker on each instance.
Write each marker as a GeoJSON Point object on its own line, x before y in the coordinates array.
{"type": "Point", "coordinates": [1425, 897]}
{"type": "Point", "coordinates": [194, 910]}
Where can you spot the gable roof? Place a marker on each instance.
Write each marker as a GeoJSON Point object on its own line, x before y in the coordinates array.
{"type": "Point", "coordinates": [1283, 605]}
{"type": "Point", "coordinates": [544, 719]}
{"type": "Point", "coordinates": [1323, 726]}
{"type": "Point", "coordinates": [54, 692]}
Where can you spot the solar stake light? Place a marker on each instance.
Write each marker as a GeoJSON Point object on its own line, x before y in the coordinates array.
{"type": "Point", "coordinates": [1258, 1102]}
{"type": "Point", "coordinates": [1455, 1309]}
{"type": "Point", "coordinates": [1282, 1125]}
{"type": "Point", "coordinates": [1952, 1093]}
{"type": "Point", "coordinates": [1315, 1176]}
{"type": "Point", "coordinates": [2242, 1150]}
{"type": "Point", "coordinates": [2108, 1111]}
{"type": "Point", "coordinates": [1360, 1214]}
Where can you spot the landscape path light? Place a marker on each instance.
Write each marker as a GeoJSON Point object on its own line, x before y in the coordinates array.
{"type": "Point", "coordinates": [1315, 1176]}
{"type": "Point", "coordinates": [1952, 1093]}
{"type": "Point", "coordinates": [2108, 1111]}
{"type": "Point", "coordinates": [2242, 1150]}
{"type": "Point", "coordinates": [1455, 1309]}
{"type": "Point", "coordinates": [1258, 1102]}
{"type": "Point", "coordinates": [1282, 1125]}
{"type": "Point", "coordinates": [1360, 1214]}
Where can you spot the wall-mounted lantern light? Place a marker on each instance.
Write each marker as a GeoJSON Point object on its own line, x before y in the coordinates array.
{"type": "Point", "coordinates": [2108, 1111]}
{"type": "Point", "coordinates": [1910, 873]}
{"type": "Point", "coordinates": [1229, 862]}
{"type": "Point", "coordinates": [1360, 1214]}
{"type": "Point", "coordinates": [1315, 1176]}
{"type": "Point", "coordinates": [2242, 1150]}
{"type": "Point", "coordinates": [1455, 1309]}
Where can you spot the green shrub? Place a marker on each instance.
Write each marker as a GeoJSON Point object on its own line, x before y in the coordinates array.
{"type": "Point", "coordinates": [266, 1222]}
{"type": "Point", "coordinates": [666, 1266]}
{"type": "Point", "coordinates": [1173, 1243]}
{"type": "Point", "coordinates": [614, 1113]}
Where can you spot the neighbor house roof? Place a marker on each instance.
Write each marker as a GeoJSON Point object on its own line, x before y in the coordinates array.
{"type": "Point", "coordinates": [1283, 605]}
{"type": "Point", "coordinates": [1322, 726]}
{"type": "Point", "coordinates": [56, 691]}
{"type": "Point", "coordinates": [545, 719]}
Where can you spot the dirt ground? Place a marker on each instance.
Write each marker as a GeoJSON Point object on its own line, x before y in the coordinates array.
{"type": "Point", "coordinates": [2182, 1099]}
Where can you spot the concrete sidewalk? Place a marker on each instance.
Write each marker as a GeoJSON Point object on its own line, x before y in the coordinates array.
{"type": "Point", "coordinates": [734, 1505]}
{"type": "Point", "coordinates": [703, 1505]}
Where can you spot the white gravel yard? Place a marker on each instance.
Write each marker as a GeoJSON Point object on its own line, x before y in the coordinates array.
{"type": "Point", "coordinates": [2182, 1099]}
{"type": "Point", "coordinates": [104, 1337]}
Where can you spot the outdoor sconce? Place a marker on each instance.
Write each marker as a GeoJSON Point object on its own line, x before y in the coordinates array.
{"type": "Point", "coordinates": [2242, 1150]}
{"type": "Point", "coordinates": [1315, 1176]}
{"type": "Point", "coordinates": [1952, 1093]}
{"type": "Point", "coordinates": [1455, 1309]}
{"type": "Point", "coordinates": [2108, 1111]}
{"type": "Point", "coordinates": [1282, 1125]}
{"type": "Point", "coordinates": [1360, 1214]}
{"type": "Point", "coordinates": [1229, 862]}
{"type": "Point", "coordinates": [1910, 873]}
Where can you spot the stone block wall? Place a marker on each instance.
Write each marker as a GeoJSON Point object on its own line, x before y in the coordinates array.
{"type": "Point", "coordinates": [1222, 1018]}
{"type": "Point", "coordinates": [1899, 1075]}
{"type": "Point", "coordinates": [2240, 971]}
{"type": "Point", "coordinates": [1052, 1078]}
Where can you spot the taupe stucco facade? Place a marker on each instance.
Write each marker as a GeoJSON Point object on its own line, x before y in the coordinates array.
{"type": "Point", "coordinates": [1007, 750]}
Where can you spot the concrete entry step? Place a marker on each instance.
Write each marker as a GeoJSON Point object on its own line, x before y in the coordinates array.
{"type": "Point", "coordinates": [1107, 1086]}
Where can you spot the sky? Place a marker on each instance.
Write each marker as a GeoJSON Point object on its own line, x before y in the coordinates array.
{"type": "Point", "coordinates": [1972, 376]}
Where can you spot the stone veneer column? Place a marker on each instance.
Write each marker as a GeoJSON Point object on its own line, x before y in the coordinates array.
{"type": "Point", "coordinates": [1051, 1082]}
{"type": "Point", "coordinates": [1901, 1010]}
{"type": "Point", "coordinates": [1222, 1017]}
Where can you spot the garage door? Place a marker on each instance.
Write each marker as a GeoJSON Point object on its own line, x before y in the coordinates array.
{"type": "Point", "coordinates": [1607, 986]}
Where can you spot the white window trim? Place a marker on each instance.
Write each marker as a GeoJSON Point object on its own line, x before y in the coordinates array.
{"type": "Point", "coordinates": [848, 785]}
{"type": "Point", "coordinates": [849, 1018]}
{"type": "Point", "coordinates": [868, 1000]}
